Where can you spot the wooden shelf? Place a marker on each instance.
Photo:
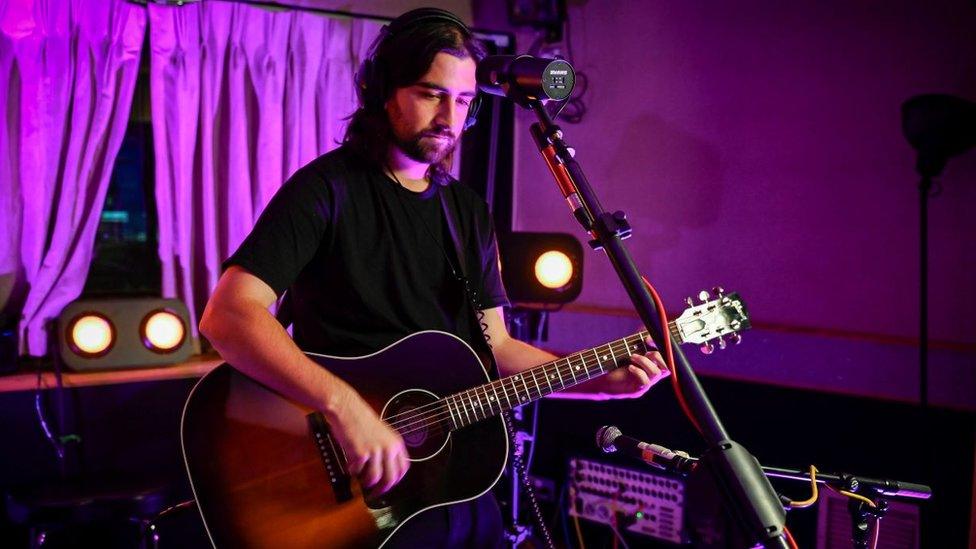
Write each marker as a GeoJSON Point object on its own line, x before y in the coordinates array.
{"type": "Point", "coordinates": [195, 367]}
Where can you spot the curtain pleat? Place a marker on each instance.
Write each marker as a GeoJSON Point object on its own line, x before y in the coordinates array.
{"type": "Point", "coordinates": [69, 69]}
{"type": "Point", "coordinates": [242, 97]}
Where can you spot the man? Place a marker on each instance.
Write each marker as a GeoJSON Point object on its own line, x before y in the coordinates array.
{"type": "Point", "coordinates": [360, 238]}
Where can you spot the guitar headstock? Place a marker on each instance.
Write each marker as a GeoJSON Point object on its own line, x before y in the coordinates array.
{"type": "Point", "coordinates": [717, 319]}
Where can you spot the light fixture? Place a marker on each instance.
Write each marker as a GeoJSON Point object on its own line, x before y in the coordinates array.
{"type": "Point", "coordinates": [122, 333]}
{"type": "Point", "coordinates": [90, 334]}
{"type": "Point", "coordinates": [163, 331]}
{"type": "Point", "coordinates": [541, 270]}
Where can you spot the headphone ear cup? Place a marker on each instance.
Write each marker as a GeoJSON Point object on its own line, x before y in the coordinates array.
{"type": "Point", "coordinates": [473, 109]}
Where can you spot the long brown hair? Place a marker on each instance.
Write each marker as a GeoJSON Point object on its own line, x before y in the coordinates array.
{"type": "Point", "coordinates": [399, 58]}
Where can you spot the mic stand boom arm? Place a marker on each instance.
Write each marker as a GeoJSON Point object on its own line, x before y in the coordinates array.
{"type": "Point", "coordinates": [748, 495]}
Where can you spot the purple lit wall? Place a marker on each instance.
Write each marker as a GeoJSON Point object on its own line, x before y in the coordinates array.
{"type": "Point", "coordinates": [757, 145]}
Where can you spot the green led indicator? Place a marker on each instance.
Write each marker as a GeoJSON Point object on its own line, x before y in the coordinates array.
{"type": "Point", "coordinates": [640, 514]}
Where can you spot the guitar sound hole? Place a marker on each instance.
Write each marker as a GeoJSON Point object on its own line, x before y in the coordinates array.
{"type": "Point", "coordinates": [417, 435]}
{"type": "Point", "coordinates": [418, 417]}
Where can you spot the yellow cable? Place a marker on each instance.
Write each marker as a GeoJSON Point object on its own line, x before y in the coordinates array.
{"type": "Point", "coordinates": [858, 497]}
{"type": "Point", "coordinates": [813, 498]}
{"type": "Point", "coordinates": [579, 534]}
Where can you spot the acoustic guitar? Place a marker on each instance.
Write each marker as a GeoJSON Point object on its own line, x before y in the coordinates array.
{"type": "Point", "coordinates": [266, 472]}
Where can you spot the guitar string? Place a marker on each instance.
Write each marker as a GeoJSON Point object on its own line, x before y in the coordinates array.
{"type": "Point", "coordinates": [397, 419]}
{"type": "Point", "coordinates": [440, 424]}
{"type": "Point", "coordinates": [472, 394]}
{"type": "Point", "coordinates": [442, 410]}
{"type": "Point", "coordinates": [569, 365]}
{"type": "Point", "coordinates": [638, 337]}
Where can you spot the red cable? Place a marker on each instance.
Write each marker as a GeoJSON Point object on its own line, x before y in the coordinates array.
{"type": "Point", "coordinates": [789, 538]}
{"type": "Point", "coordinates": [669, 355]}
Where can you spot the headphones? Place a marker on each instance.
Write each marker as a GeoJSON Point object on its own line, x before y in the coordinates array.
{"type": "Point", "coordinates": [371, 80]}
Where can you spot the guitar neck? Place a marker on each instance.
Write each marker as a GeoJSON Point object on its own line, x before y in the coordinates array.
{"type": "Point", "coordinates": [488, 400]}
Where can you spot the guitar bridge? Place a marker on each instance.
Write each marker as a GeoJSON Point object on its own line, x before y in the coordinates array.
{"type": "Point", "coordinates": [331, 457]}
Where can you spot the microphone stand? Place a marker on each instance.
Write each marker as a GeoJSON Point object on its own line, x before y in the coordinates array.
{"type": "Point", "coordinates": [748, 495]}
{"type": "Point", "coordinates": [876, 490]}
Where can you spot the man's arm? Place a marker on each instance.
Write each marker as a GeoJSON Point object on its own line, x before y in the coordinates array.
{"type": "Point", "coordinates": [514, 356]}
{"type": "Point", "coordinates": [238, 324]}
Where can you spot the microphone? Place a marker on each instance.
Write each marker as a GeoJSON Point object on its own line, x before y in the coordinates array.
{"type": "Point", "coordinates": [610, 439]}
{"type": "Point", "coordinates": [525, 78]}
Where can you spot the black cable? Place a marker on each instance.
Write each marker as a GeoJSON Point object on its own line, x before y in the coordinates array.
{"type": "Point", "coordinates": [472, 295]}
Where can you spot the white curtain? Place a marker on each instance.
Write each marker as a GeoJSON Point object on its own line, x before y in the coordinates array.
{"type": "Point", "coordinates": [241, 98]}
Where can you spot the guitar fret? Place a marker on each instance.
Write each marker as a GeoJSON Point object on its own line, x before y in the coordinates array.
{"type": "Point", "coordinates": [487, 400]}
{"type": "Point", "coordinates": [447, 401]}
{"type": "Point", "coordinates": [497, 400]}
{"type": "Point", "coordinates": [598, 363]}
{"type": "Point", "coordinates": [460, 420]}
{"type": "Point", "coordinates": [571, 372]}
{"type": "Point", "coordinates": [562, 384]}
{"type": "Point", "coordinates": [548, 378]}
{"type": "Point", "coordinates": [528, 395]}
{"type": "Point", "coordinates": [482, 405]}
{"type": "Point", "coordinates": [466, 409]}
{"type": "Point", "coordinates": [577, 367]}
{"type": "Point", "coordinates": [536, 381]}
{"type": "Point", "coordinates": [476, 404]}
{"type": "Point", "coordinates": [506, 396]}
{"type": "Point", "coordinates": [595, 369]}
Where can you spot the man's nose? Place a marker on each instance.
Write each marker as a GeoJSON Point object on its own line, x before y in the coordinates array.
{"type": "Point", "coordinates": [448, 113]}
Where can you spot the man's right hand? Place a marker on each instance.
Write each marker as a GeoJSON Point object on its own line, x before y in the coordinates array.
{"type": "Point", "coordinates": [374, 451]}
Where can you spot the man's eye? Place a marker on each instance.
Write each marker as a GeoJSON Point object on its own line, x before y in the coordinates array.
{"type": "Point", "coordinates": [464, 102]}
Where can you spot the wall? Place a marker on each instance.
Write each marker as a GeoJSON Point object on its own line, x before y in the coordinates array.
{"type": "Point", "coordinates": [757, 145]}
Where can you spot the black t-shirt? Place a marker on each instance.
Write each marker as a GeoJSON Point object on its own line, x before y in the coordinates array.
{"type": "Point", "coordinates": [366, 260]}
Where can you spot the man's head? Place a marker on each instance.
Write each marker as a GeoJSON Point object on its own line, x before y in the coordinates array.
{"type": "Point", "coordinates": [416, 89]}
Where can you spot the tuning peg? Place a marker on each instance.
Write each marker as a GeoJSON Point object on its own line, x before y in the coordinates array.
{"type": "Point", "coordinates": [690, 302]}
{"type": "Point", "coordinates": [718, 291]}
{"type": "Point", "coordinates": [707, 348]}
{"type": "Point", "coordinates": [703, 296]}
{"type": "Point", "coordinates": [735, 338]}
{"type": "Point", "coordinates": [721, 343]}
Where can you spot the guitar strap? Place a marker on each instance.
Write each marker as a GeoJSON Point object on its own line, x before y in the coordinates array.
{"type": "Point", "coordinates": [484, 350]}
{"type": "Point", "coordinates": [449, 205]}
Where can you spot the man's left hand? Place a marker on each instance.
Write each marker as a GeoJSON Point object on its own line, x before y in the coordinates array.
{"type": "Point", "coordinates": [635, 379]}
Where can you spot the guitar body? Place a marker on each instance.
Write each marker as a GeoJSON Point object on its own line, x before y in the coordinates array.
{"type": "Point", "coordinates": [266, 473]}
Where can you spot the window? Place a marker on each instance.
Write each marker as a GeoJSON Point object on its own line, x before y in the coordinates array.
{"type": "Point", "coordinates": [125, 259]}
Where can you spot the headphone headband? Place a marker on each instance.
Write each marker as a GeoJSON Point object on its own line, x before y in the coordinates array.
{"type": "Point", "coordinates": [372, 83]}
{"type": "Point", "coordinates": [418, 15]}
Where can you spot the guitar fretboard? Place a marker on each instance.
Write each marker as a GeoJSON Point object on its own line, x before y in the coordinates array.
{"type": "Point", "coordinates": [488, 400]}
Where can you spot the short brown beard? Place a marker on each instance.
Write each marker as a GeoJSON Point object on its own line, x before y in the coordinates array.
{"type": "Point", "coordinates": [416, 149]}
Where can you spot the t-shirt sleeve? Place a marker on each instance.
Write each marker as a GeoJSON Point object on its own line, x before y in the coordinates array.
{"type": "Point", "coordinates": [492, 288]}
{"type": "Point", "coordinates": [288, 232]}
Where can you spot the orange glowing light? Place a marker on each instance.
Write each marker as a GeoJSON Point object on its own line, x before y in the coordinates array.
{"type": "Point", "coordinates": [553, 269]}
{"type": "Point", "coordinates": [91, 335]}
{"type": "Point", "coordinates": [163, 331]}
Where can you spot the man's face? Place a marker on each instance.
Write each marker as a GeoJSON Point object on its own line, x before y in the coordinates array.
{"type": "Point", "coordinates": [428, 117]}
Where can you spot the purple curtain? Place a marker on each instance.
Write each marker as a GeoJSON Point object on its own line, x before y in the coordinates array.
{"type": "Point", "coordinates": [242, 97]}
{"type": "Point", "coordinates": [68, 69]}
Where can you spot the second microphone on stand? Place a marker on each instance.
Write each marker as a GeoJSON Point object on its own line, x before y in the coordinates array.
{"type": "Point", "coordinates": [610, 439]}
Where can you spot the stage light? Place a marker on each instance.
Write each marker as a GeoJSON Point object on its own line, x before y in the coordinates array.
{"type": "Point", "coordinates": [91, 335]}
{"type": "Point", "coordinates": [121, 333]}
{"type": "Point", "coordinates": [553, 269]}
{"type": "Point", "coordinates": [541, 270]}
{"type": "Point", "coordinates": [162, 331]}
